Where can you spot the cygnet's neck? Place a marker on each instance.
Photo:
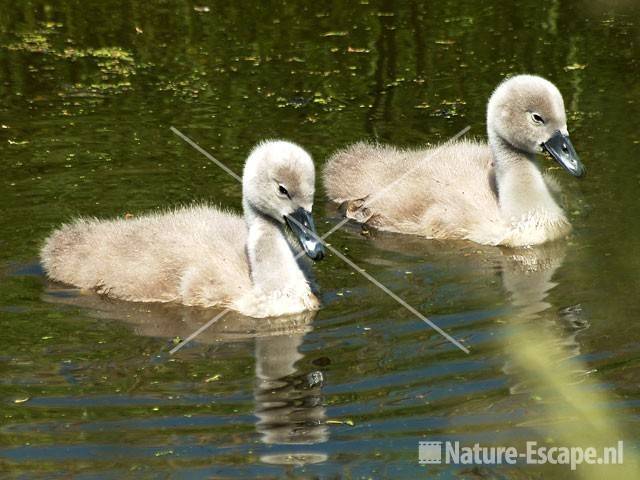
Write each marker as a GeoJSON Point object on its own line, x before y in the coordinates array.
{"type": "Point", "coordinates": [522, 191]}
{"type": "Point", "coordinates": [272, 262]}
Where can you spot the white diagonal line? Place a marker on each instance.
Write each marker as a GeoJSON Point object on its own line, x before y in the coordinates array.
{"type": "Point", "coordinates": [370, 277]}
{"type": "Point", "coordinates": [397, 298]}
{"type": "Point", "coordinates": [380, 193]}
{"type": "Point", "coordinates": [321, 240]}
{"type": "Point", "coordinates": [369, 200]}
{"type": "Point", "coordinates": [199, 331]}
{"type": "Point", "coordinates": [206, 154]}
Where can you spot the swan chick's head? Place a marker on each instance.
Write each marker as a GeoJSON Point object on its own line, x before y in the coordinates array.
{"type": "Point", "coordinates": [279, 182]}
{"type": "Point", "coordinates": [528, 113]}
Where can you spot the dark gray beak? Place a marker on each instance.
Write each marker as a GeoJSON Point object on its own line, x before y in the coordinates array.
{"type": "Point", "coordinates": [301, 223]}
{"type": "Point", "coordinates": [561, 149]}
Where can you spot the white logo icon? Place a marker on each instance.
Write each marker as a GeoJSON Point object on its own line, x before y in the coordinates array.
{"type": "Point", "coordinates": [429, 452]}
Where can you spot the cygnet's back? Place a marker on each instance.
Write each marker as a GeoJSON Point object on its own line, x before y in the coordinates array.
{"type": "Point", "coordinates": [448, 190]}
{"type": "Point", "coordinates": [147, 259]}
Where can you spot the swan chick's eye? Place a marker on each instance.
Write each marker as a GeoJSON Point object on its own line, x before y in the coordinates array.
{"type": "Point", "coordinates": [283, 191]}
{"type": "Point", "coordinates": [537, 118]}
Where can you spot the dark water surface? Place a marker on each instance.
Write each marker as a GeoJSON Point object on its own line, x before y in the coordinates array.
{"type": "Point", "coordinates": [88, 91]}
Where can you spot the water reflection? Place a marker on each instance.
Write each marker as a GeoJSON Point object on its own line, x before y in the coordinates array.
{"type": "Point", "coordinates": [525, 276]}
{"type": "Point", "coordinates": [288, 401]}
{"type": "Point", "coordinates": [528, 278]}
{"type": "Point", "coordinates": [543, 361]}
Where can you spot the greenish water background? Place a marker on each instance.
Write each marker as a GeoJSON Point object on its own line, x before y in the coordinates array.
{"type": "Point", "coordinates": [88, 91]}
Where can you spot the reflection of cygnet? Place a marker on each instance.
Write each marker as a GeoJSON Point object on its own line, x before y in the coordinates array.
{"type": "Point", "coordinates": [288, 406]}
{"type": "Point", "coordinates": [287, 403]}
{"type": "Point", "coordinates": [527, 276]}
